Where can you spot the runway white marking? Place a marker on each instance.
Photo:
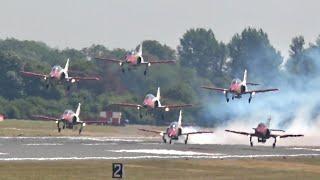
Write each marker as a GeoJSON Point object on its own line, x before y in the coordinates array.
{"type": "Point", "coordinates": [118, 139]}
{"type": "Point", "coordinates": [99, 144]}
{"type": "Point", "coordinates": [44, 144]}
{"type": "Point", "coordinates": [165, 152]}
{"type": "Point", "coordinates": [152, 157]}
{"type": "Point", "coordinates": [310, 149]}
{"type": "Point", "coordinates": [3, 153]}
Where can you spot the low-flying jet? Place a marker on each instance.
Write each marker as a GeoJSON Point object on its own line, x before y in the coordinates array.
{"type": "Point", "coordinates": [69, 119]}
{"type": "Point", "coordinates": [262, 132]}
{"type": "Point", "coordinates": [238, 88]}
{"type": "Point", "coordinates": [174, 131]}
{"type": "Point", "coordinates": [58, 74]}
{"type": "Point", "coordinates": [134, 59]}
{"type": "Point", "coordinates": [153, 102]}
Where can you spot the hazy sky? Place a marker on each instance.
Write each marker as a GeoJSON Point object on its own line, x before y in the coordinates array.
{"type": "Point", "coordinates": [124, 23]}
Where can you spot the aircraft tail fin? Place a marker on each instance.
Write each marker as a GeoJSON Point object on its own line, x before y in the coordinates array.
{"type": "Point", "coordinates": [78, 110]}
{"type": "Point", "coordinates": [268, 121]}
{"type": "Point", "coordinates": [158, 94]}
{"type": "Point", "coordinates": [180, 119]}
{"type": "Point", "coordinates": [140, 49]}
{"type": "Point", "coordinates": [245, 77]}
{"type": "Point", "coordinates": [66, 67]}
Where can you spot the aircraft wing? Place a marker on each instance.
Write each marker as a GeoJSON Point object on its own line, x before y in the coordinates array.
{"type": "Point", "coordinates": [47, 118]}
{"type": "Point", "coordinates": [261, 91]}
{"type": "Point", "coordinates": [286, 135]}
{"type": "Point", "coordinates": [30, 74]}
{"type": "Point", "coordinates": [198, 132]}
{"type": "Point", "coordinates": [252, 84]}
{"type": "Point", "coordinates": [280, 130]}
{"type": "Point", "coordinates": [215, 89]}
{"type": "Point", "coordinates": [240, 132]}
{"type": "Point", "coordinates": [153, 131]}
{"type": "Point", "coordinates": [127, 105]}
{"type": "Point", "coordinates": [77, 79]}
{"type": "Point", "coordinates": [175, 106]}
{"type": "Point", "coordinates": [109, 60]}
{"type": "Point", "coordinates": [161, 62]}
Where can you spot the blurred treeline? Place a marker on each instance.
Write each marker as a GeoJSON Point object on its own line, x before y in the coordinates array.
{"type": "Point", "coordinates": [202, 60]}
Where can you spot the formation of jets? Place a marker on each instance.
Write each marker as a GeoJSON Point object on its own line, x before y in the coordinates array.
{"type": "Point", "coordinates": [175, 131]}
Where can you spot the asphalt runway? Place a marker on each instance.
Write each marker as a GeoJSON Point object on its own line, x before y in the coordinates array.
{"type": "Point", "coordinates": [73, 148]}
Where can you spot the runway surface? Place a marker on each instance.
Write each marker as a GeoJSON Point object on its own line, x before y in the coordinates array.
{"type": "Point", "coordinates": [73, 148]}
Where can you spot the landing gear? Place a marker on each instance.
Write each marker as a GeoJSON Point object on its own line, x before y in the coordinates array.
{"type": "Point", "coordinates": [164, 139]}
{"type": "Point", "coordinates": [47, 86]}
{"type": "Point", "coordinates": [274, 143]}
{"type": "Point", "coordinates": [145, 72]}
{"type": "Point", "coordinates": [58, 125]}
{"type": "Point", "coordinates": [249, 99]}
{"type": "Point", "coordinates": [186, 140]}
{"type": "Point", "coordinates": [122, 70]}
{"type": "Point", "coordinates": [80, 130]}
{"type": "Point", "coordinates": [170, 141]}
{"type": "Point", "coordinates": [251, 143]}
{"type": "Point", "coordinates": [227, 98]}
{"type": "Point", "coordinates": [232, 98]}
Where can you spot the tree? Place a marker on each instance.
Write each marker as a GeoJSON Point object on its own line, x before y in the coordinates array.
{"type": "Point", "coordinates": [252, 50]}
{"type": "Point", "coordinates": [199, 49]}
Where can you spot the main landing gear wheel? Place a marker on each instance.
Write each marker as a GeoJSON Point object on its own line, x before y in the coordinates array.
{"type": "Point", "coordinates": [273, 145]}
{"type": "Point", "coordinates": [227, 99]}
{"type": "Point", "coordinates": [251, 144]}
{"type": "Point", "coordinates": [123, 71]}
{"type": "Point", "coordinates": [170, 141]}
{"type": "Point", "coordinates": [164, 139]}
{"type": "Point", "coordinates": [58, 125]}
{"type": "Point", "coordinates": [145, 72]}
{"type": "Point", "coordinates": [249, 100]}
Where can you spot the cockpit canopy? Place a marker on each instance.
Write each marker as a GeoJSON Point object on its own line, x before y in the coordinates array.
{"type": "Point", "coordinates": [68, 111]}
{"type": "Point", "coordinates": [236, 81]}
{"type": "Point", "coordinates": [149, 96]}
{"type": "Point", "coordinates": [56, 68]}
{"type": "Point", "coordinates": [173, 125]}
{"type": "Point", "coordinates": [261, 125]}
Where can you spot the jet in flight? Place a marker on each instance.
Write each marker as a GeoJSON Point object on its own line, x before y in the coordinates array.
{"type": "Point", "coordinates": [134, 59]}
{"type": "Point", "coordinates": [262, 132]}
{"type": "Point", "coordinates": [69, 119]}
{"type": "Point", "coordinates": [152, 102]}
{"type": "Point", "coordinates": [175, 131]}
{"type": "Point", "coordinates": [238, 88]}
{"type": "Point", "coordinates": [58, 74]}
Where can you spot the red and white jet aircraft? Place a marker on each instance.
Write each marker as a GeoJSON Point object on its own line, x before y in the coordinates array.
{"type": "Point", "coordinates": [174, 131]}
{"type": "Point", "coordinates": [69, 119]}
{"type": "Point", "coordinates": [239, 88]}
{"type": "Point", "coordinates": [58, 74]}
{"type": "Point", "coordinates": [153, 102]}
{"type": "Point", "coordinates": [262, 132]}
{"type": "Point", "coordinates": [134, 59]}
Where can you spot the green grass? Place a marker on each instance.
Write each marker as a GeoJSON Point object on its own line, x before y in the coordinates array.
{"type": "Point", "coordinates": [49, 128]}
{"type": "Point", "coordinates": [296, 168]}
